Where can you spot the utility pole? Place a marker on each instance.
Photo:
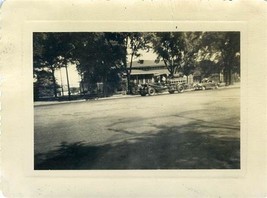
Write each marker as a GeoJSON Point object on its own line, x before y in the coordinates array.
{"type": "Point", "coordinates": [67, 75]}
{"type": "Point", "coordinates": [61, 82]}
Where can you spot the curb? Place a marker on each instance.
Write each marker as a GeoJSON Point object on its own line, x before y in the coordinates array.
{"type": "Point", "coordinates": [38, 104]}
{"type": "Point", "coordinates": [110, 98]}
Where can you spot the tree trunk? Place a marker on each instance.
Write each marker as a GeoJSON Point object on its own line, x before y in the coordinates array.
{"type": "Point", "coordinates": [125, 65]}
{"type": "Point", "coordinates": [128, 83]}
{"type": "Point", "coordinates": [54, 82]}
{"type": "Point", "coordinates": [68, 83]}
{"type": "Point", "coordinates": [129, 74]}
{"type": "Point", "coordinates": [230, 77]}
{"type": "Point", "coordinates": [105, 86]}
{"type": "Point", "coordinates": [225, 76]}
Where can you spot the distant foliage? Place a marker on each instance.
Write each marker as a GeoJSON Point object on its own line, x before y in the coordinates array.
{"type": "Point", "coordinates": [103, 56]}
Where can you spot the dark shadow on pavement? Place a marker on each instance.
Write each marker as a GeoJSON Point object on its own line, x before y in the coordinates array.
{"type": "Point", "coordinates": [176, 147]}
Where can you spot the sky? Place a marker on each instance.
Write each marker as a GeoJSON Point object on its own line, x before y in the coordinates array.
{"type": "Point", "coordinates": [74, 77]}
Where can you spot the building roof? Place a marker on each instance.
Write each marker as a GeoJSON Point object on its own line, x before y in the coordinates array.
{"type": "Point", "coordinates": [146, 63]}
{"type": "Point", "coordinates": [152, 72]}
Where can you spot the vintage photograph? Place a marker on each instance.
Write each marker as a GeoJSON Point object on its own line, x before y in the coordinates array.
{"type": "Point", "coordinates": [136, 100]}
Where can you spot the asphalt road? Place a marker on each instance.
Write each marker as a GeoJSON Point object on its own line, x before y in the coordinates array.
{"type": "Point", "coordinates": [191, 130]}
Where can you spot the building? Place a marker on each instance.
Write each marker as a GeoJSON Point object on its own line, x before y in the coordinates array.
{"type": "Point", "coordinates": [144, 71]}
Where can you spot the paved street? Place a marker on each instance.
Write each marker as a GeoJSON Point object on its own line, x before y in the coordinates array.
{"type": "Point", "coordinates": [191, 130]}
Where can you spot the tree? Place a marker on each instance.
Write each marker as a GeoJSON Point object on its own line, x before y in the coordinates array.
{"type": "Point", "coordinates": [224, 49]}
{"type": "Point", "coordinates": [208, 68]}
{"type": "Point", "coordinates": [205, 52]}
{"type": "Point", "coordinates": [169, 46]}
{"type": "Point", "coordinates": [43, 84]}
{"type": "Point", "coordinates": [135, 42]}
{"type": "Point", "coordinates": [98, 54]}
{"type": "Point", "coordinates": [128, 46]}
{"type": "Point", "coordinates": [192, 45]}
{"type": "Point", "coordinates": [51, 51]}
{"type": "Point", "coordinates": [231, 55]}
{"type": "Point", "coordinates": [101, 54]}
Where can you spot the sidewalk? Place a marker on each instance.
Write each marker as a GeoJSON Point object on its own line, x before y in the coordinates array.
{"type": "Point", "coordinates": [46, 103]}
{"type": "Point", "coordinates": [118, 96]}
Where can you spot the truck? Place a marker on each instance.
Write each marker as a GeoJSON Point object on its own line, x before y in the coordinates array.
{"type": "Point", "coordinates": [170, 86]}
{"type": "Point", "coordinates": [175, 85]}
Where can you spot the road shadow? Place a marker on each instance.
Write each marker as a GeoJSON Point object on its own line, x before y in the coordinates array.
{"type": "Point", "coordinates": [190, 146]}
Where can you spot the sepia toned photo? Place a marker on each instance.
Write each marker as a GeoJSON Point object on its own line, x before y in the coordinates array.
{"type": "Point", "coordinates": [133, 98]}
{"type": "Point", "coordinates": [136, 100]}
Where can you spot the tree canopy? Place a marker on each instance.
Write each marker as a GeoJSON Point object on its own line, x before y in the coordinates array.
{"type": "Point", "coordinates": [101, 56]}
{"type": "Point", "coordinates": [169, 46]}
{"type": "Point", "coordinates": [223, 49]}
{"type": "Point", "coordinates": [50, 52]}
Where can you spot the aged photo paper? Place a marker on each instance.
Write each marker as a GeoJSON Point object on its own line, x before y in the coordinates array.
{"type": "Point", "coordinates": [92, 151]}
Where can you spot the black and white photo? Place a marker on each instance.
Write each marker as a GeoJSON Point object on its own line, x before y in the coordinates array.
{"type": "Point", "coordinates": [136, 100]}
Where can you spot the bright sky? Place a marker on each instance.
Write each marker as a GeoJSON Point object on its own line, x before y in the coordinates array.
{"type": "Point", "coordinates": [74, 77]}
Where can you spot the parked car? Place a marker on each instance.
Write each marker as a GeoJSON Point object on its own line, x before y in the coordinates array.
{"type": "Point", "coordinates": [205, 84]}
{"type": "Point", "coordinates": [221, 84]}
{"type": "Point", "coordinates": [152, 88]}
